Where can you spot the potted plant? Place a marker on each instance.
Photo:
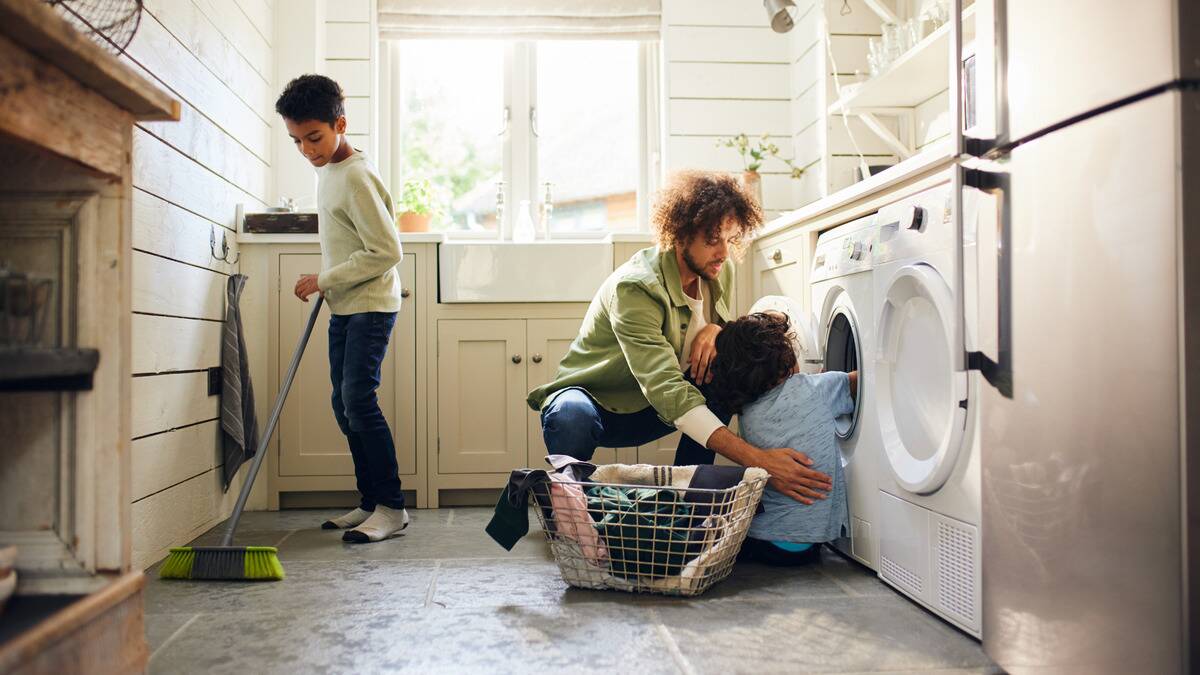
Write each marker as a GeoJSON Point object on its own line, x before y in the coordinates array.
{"type": "Point", "coordinates": [418, 205]}
{"type": "Point", "coordinates": [753, 155]}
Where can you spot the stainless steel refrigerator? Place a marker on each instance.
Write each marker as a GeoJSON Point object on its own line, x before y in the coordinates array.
{"type": "Point", "coordinates": [1089, 334]}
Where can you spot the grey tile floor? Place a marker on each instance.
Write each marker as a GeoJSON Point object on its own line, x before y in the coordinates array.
{"type": "Point", "coordinates": [445, 598]}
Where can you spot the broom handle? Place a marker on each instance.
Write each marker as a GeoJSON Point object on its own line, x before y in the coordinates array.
{"type": "Point", "coordinates": [284, 387]}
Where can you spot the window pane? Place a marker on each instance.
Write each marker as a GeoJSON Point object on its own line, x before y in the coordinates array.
{"type": "Point", "coordinates": [587, 104]}
{"type": "Point", "coordinates": [452, 94]}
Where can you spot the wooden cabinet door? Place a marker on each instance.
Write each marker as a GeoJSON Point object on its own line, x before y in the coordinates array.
{"type": "Point", "coordinates": [661, 451]}
{"type": "Point", "coordinates": [482, 420]}
{"type": "Point", "coordinates": [404, 347]}
{"type": "Point", "coordinates": [310, 442]}
{"type": "Point", "coordinates": [548, 341]}
{"type": "Point", "coordinates": [781, 268]}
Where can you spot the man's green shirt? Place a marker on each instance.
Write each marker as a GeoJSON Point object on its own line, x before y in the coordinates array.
{"type": "Point", "coordinates": [629, 348]}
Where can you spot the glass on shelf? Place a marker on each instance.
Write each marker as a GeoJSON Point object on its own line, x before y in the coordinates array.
{"type": "Point", "coordinates": [876, 61]}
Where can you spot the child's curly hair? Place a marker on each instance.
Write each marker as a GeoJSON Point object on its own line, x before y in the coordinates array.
{"type": "Point", "coordinates": [754, 354]}
{"type": "Point", "coordinates": [697, 203]}
{"type": "Point", "coordinates": [312, 97]}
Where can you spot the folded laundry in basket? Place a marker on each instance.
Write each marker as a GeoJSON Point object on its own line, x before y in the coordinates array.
{"type": "Point", "coordinates": [573, 521]}
{"type": "Point", "coordinates": [649, 532]}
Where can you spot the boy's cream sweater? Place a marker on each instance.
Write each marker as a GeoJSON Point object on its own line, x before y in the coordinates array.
{"type": "Point", "coordinates": [360, 247]}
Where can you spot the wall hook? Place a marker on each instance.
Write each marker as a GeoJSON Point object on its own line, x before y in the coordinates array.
{"type": "Point", "coordinates": [224, 255]}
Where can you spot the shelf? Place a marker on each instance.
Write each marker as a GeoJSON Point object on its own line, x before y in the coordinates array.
{"type": "Point", "coordinates": [47, 369]}
{"type": "Point", "coordinates": [917, 76]}
{"type": "Point", "coordinates": [42, 31]}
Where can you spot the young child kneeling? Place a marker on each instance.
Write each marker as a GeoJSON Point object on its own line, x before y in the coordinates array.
{"type": "Point", "coordinates": [756, 375]}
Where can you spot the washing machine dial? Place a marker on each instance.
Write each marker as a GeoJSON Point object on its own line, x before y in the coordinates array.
{"type": "Point", "coordinates": [914, 218]}
{"type": "Point", "coordinates": [856, 250]}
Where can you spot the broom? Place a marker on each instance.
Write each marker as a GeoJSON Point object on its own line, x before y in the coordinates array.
{"type": "Point", "coordinates": [229, 562]}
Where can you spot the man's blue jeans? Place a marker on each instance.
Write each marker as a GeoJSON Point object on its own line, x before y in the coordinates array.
{"type": "Point", "coordinates": [357, 345]}
{"type": "Point", "coordinates": [574, 424]}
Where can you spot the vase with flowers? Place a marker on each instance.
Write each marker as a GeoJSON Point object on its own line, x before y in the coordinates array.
{"type": "Point", "coordinates": [754, 154]}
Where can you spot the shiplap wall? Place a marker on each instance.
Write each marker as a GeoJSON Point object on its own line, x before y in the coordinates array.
{"type": "Point", "coordinates": [349, 59]}
{"type": "Point", "coordinates": [726, 73]}
{"type": "Point", "coordinates": [215, 56]}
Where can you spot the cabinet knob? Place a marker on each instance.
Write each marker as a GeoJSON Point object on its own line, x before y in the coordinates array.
{"type": "Point", "coordinates": [777, 256]}
{"type": "Point", "coordinates": [516, 358]}
{"type": "Point", "coordinates": [404, 293]}
{"type": "Point", "coordinates": [537, 358]}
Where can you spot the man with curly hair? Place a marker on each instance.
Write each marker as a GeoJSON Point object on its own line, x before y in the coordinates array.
{"type": "Point", "coordinates": [641, 364]}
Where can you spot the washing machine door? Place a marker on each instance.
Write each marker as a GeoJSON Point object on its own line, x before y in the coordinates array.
{"type": "Point", "coordinates": [842, 350]}
{"type": "Point", "coordinates": [921, 400]}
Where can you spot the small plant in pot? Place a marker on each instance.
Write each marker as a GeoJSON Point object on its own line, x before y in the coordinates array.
{"type": "Point", "coordinates": [418, 205]}
{"type": "Point", "coordinates": [753, 154]}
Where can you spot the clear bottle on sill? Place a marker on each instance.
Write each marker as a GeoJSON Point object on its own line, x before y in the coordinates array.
{"type": "Point", "coordinates": [524, 233]}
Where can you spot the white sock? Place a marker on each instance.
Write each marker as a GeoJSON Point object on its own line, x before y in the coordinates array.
{"type": "Point", "coordinates": [382, 524]}
{"type": "Point", "coordinates": [352, 519]}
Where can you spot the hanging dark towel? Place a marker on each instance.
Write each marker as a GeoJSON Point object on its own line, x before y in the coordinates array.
{"type": "Point", "coordinates": [239, 426]}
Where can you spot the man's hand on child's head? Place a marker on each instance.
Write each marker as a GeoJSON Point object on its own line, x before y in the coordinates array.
{"type": "Point", "coordinates": [306, 286]}
{"type": "Point", "coordinates": [704, 350]}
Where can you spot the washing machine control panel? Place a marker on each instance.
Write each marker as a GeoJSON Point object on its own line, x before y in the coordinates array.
{"type": "Point", "coordinates": [920, 222]}
{"type": "Point", "coordinates": [845, 250]}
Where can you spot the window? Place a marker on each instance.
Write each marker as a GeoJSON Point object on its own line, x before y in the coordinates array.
{"type": "Point", "coordinates": [550, 122]}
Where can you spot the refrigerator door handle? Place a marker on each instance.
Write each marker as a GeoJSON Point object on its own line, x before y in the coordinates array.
{"type": "Point", "coordinates": [998, 372]}
{"type": "Point", "coordinates": [956, 206]}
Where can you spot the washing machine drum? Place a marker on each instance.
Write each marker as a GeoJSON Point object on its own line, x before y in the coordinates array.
{"type": "Point", "coordinates": [921, 398]}
{"type": "Point", "coordinates": [804, 340]}
{"type": "Point", "coordinates": [842, 353]}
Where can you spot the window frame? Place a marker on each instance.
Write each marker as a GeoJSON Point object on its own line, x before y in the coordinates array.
{"type": "Point", "coordinates": [519, 168]}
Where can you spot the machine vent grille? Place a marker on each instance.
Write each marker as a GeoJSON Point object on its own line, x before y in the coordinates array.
{"type": "Point", "coordinates": [901, 574]}
{"type": "Point", "coordinates": [956, 570]}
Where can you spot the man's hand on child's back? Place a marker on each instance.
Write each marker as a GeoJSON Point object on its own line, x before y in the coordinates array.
{"type": "Point", "coordinates": [306, 286]}
{"type": "Point", "coordinates": [791, 475]}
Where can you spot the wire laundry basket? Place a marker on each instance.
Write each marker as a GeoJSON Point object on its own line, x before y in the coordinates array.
{"type": "Point", "coordinates": [646, 538]}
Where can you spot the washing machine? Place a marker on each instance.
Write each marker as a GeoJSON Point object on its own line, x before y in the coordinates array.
{"type": "Point", "coordinates": [929, 482]}
{"type": "Point", "coordinates": [843, 308]}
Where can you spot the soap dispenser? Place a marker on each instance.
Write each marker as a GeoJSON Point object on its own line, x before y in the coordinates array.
{"type": "Point", "coordinates": [523, 233]}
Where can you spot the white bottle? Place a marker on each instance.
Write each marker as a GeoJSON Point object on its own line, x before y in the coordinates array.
{"type": "Point", "coordinates": [524, 233]}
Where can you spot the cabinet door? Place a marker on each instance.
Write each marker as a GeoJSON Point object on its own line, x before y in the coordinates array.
{"type": "Point", "coordinates": [404, 346]}
{"type": "Point", "coordinates": [482, 420]}
{"type": "Point", "coordinates": [310, 442]}
{"type": "Point", "coordinates": [548, 341]}
{"type": "Point", "coordinates": [781, 268]}
{"type": "Point", "coordinates": [660, 452]}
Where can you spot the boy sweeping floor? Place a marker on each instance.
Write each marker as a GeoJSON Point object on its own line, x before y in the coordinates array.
{"type": "Point", "coordinates": [360, 250]}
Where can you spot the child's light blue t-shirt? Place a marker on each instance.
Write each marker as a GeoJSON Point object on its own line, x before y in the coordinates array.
{"type": "Point", "coordinates": [800, 414]}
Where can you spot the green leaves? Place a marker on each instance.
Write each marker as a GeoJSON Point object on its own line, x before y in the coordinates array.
{"type": "Point", "coordinates": [418, 196]}
{"type": "Point", "coordinates": [755, 154]}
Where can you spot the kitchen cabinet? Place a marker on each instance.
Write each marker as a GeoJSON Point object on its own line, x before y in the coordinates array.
{"type": "Point", "coordinates": [779, 266]}
{"type": "Point", "coordinates": [310, 442]}
{"type": "Point", "coordinates": [485, 370]}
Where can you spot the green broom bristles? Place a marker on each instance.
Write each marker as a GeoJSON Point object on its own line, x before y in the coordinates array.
{"type": "Point", "coordinates": [232, 563]}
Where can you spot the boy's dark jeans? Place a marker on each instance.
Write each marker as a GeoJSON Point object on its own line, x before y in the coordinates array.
{"type": "Point", "coordinates": [357, 345]}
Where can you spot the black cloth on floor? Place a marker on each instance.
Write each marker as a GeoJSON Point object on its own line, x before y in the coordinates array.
{"type": "Point", "coordinates": [510, 522]}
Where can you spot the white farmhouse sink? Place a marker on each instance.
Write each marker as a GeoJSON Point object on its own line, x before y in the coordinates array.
{"type": "Point", "coordinates": [543, 271]}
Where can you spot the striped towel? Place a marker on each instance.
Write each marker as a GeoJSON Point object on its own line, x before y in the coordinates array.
{"type": "Point", "coordinates": [239, 425]}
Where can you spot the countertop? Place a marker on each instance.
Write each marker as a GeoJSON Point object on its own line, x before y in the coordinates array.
{"type": "Point", "coordinates": [427, 238]}
{"type": "Point", "coordinates": [932, 158]}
